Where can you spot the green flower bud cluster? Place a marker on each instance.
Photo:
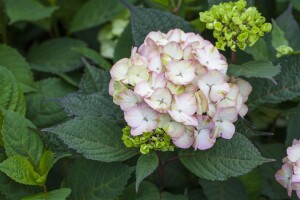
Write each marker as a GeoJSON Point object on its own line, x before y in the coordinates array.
{"type": "Point", "coordinates": [284, 50]}
{"type": "Point", "coordinates": [235, 25]}
{"type": "Point", "coordinates": [155, 140]}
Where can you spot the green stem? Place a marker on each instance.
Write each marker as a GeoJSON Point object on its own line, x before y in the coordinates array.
{"type": "Point", "coordinates": [45, 191]}
{"type": "Point", "coordinates": [161, 172]}
{"type": "Point", "coordinates": [176, 9]}
{"type": "Point", "coordinates": [3, 27]}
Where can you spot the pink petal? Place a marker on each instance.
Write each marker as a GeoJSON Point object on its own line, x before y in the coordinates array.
{"type": "Point", "coordinates": [203, 140]}
{"type": "Point", "coordinates": [119, 70]}
{"type": "Point", "coordinates": [128, 99]}
{"type": "Point", "coordinates": [218, 92]}
{"type": "Point", "coordinates": [186, 140]}
{"type": "Point", "coordinates": [134, 116]}
{"type": "Point", "coordinates": [229, 114]}
{"type": "Point", "coordinates": [293, 153]}
{"type": "Point", "coordinates": [143, 89]}
{"type": "Point", "coordinates": [228, 130]}
{"type": "Point", "coordinates": [205, 122]}
{"type": "Point", "coordinates": [175, 129]}
{"type": "Point", "coordinates": [180, 72]}
{"type": "Point", "coordinates": [173, 50]}
{"type": "Point", "coordinates": [160, 100]}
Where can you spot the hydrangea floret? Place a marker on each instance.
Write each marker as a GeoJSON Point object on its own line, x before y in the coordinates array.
{"type": "Point", "coordinates": [174, 91]}
{"type": "Point", "coordinates": [289, 175]}
{"type": "Point", "coordinates": [283, 50]}
{"type": "Point", "coordinates": [234, 24]}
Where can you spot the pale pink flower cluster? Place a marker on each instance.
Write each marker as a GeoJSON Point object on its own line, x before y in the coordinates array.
{"type": "Point", "coordinates": [289, 175]}
{"type": "Point", "coordinates": [177, 81]}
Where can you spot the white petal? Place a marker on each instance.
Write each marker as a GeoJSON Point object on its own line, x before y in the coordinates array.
{"type": "Point", "coordinates": [173, 50]}
{"type": "Point", "coordinates": [218, 92]}
{"type": "Point", "coordinates": [228, 129]}
{"type": "Point", "coordinates": [180, 72]}
{"type": "Point", "coordinates": [294, 153]}
{"type": "Point", "coordinates": [203, 140]}
{"type": "Point", "coordinates": [143, 89]}
{"type": "Point", "coordinates": [137, 74]}
{"type": "Point", "coordinates": [160, 100]}
{"type": "Point", "coordinates": [119, 70]}
{"type": "Point", "coordinates": [128, 99]}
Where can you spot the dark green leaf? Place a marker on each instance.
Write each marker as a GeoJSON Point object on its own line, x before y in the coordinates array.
{"type": "Point", "coordinates": [146, 165]}
{"type": "Point", "coordinates": [96, 104]}
{"type": "Point", "coordinates": [244, 127]}
{"type": "Point", "coordinates": [288, 84]}
{"type": "Point", "coordinates": [20, 170]}
{"type": "Point", "coordinates": [59, 194]}
{"type": "Point", "coordinates": [228, 158]}
{"type": "Point", "coordinates": [17, 65]}
{"type": "Point", "coordinates": [42, 109]}
{"type": "Point", "coordinates": [290, 27]}
{"type": "Point", "coordinates": [253, 182]}
{"type": "Point", "coordinates": [56, 55]}
{"type": "Point", "coordinates": [94, 13]}
{"type": "Point", "coordinates": [20, 139]}
{"type": "Point", "coordinates": [124, 44]}
{"type": "Point", "coordinates": [224, 190]}
{"type": "Point", "coordinates": [95, 138]}
{"type": "Point", "coordinates": [259, 50]}
{"type": "Point", "coordinates": [95, 56]}
{"type": "Point", "coordinates": [145, 20]}
{"type": "Point", "coordinates": [293, 129]}
{"type": "Point", "coordinates": [278, 37]}
{"type": "Point", "coordinates": [102, 181]}
{"type": "Point", "coordinates": [94, 80]}
{"type": "Point", "coordinates": [27, 10]}
{"type": "Point", "coordinates": [11, 96]}
{"type": "Point", "coordinates": [255, 68]}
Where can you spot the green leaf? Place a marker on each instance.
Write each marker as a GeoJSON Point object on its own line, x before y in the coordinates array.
{"type": "Point", "coordinates": [11, 96]}
{"type": "Point", "coordinates": [20, 139]}
{"type": "Point", "coordinates": [102, 181]}
{"type": "Point", "coordinates": [255, 68]}
{"type": "Point", "coordinates": [278, 37]}
{"type": "Point", "coordinates": [94, 56]}
{"type": "Point", "coordinates": [288, 84]}
{"type": "Point", "coordinates": [293, 129]}
{"type": "Point", "coordinates": [259, 50]}
{"type": "Point", "coordinates": [253, 182]}
{"type": "Point", "coordinates": [42, 110]}
{"type": "Point", "coordinates": [94, 137]}
{"type": "Point", "coordinates": [124, 44]}
{"type": "Point", "coordinates": [96, 104]}
{"type": "Point", "coordinates": [56, 55]}
{"type": "Point", "coordinates": [17, 65]}
{"type": "Point", "coordinates": [290, 27]}
{"type": "Point", "coordinates": [94, 80]}
{"type": "Point", "coordinates": [224, 190]}
{"type": "Point", "coordinates": [146, 165]}
{"type": "Point", "coordinates": [244, 127]}
{"type": "Point", "coordinates": [27, 10]}
{"type": "Point", "coordinates": [228, 158]}
{"type": "Point", "coordinates": [20, 170]}
{"type": "Point", "coordinates": [59, 194]}
{"type": "Point", "coordinates": [94, 13]}
{"type": "Point", "coordinates": [216, 2]}
{"type": "Point", "coordinates": [145, 20]}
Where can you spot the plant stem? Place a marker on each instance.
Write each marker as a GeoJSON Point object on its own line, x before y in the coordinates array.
{"type": "Point", "coordinates": [176, 9]}
{"type": "Point", "coordinates": [161, 172]}
{"type": "Point", "coordinates": [3, 28]}
{"type": "Point", "coordinates": [45, 191]}
{"type": "Point", "coordinates": [171, 160]}
{"type": "Point", "coordinates": [233, 57]}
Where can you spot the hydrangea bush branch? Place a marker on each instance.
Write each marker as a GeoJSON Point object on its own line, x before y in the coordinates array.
{"type": "Point", "coordinates": [174, 91]}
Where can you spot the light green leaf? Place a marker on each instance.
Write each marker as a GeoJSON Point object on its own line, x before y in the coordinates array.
{"type": "Point", "coordinates": [288, 84]}
{"type": "Point", "coordinates": [20, 139]}
{"type": "Point", "coordinates": [20, 170]}
{"type": "Point", "coordinates": [13, 190]}
{"type": "Point", "coordinates": [94, 13]}
{"type": "Point", "coordinates": [94, 56]}
{"type": "Point", "coordinates": [11, 96]}
{"type": "Point", "coordinates": [259, 50]}
{"type": "Point", "coordinates": [224, 190]}
{"type": "Point", "coordinates": [278, 37]}
{"type": "Point", "coordinates": [102, 181]}
{"type": "Point", "coordinates": [290, 27]}
{"type": "Point", "coordinates": [94, 137]}
{"type": "Point", "coordinates": [228, 158]}
{"type": "Point", "coordinates": [56, 55]}
{"type": "Point", "coordinates": [96, 104]}
{"type": "Point", "coordinates": [145, 20]}
{"type": "Point", "coordinates": [293, 129]}
{"type": "Point", "coordinates": [124, 44]}
{"type": "Point", "coordinates": [17, 65]}
{"type": "Point", "coordinates": [27, 10]}
{"type": "Point", "coordinates": [94, 80]}
{"type": "Point", "coordinates": [59, 194]}
{"type": "Point", "coordinates": [42, 109]}
{"type": "Point", "coordinates": [255, 68]}
{"type": "Point", "coordinates": [146, 165]}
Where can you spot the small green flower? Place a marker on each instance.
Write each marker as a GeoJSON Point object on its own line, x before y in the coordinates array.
{"type": "Point", "coordinates": [235, 25]}
{"type": "Point", "coordinates": [283, 50]}
{"type": "Point", "coordinates": [156, 140]}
